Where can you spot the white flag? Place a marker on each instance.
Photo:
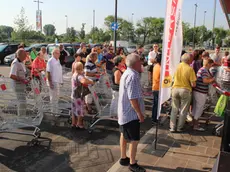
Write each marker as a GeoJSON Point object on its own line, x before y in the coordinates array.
{"type": "Point", "coordinates": [172, 47]}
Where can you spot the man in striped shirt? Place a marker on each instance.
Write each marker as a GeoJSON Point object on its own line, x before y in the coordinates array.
{"type": "Point", "coordinates": [130, 111]}
{"type": "Point", "coordinates": [204, 78]}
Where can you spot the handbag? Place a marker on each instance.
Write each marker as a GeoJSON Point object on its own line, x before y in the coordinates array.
{"type": "Point", "coordinates": [80, 91]}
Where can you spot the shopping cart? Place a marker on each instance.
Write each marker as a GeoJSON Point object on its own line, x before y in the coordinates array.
{"type": "Point", "coordinates": [217, 130]}
{"type": "Point", "coordinates": [15, 110]}
{"type": "Point", "coordinates": [102, 96]}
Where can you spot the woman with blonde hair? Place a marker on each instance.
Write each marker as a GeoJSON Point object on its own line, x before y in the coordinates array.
{"type": "Point", "coordinates": [78, 80]}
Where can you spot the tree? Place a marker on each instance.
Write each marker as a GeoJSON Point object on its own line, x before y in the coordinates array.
{"type": "Point", "coordinates": [151, 28]}
{"type": "Point", "coordinates": [82, 32]}
{"type": "Point", "coordinates": [219, 34]}
{"type": "Point", "coordinates": [70, 35]}
{"type": "Point", "coordinates": [5, 32]}
{"type": "Point", "coordinates": [49, 29]}
{"type": "Point", "coordinates": [22, 27]}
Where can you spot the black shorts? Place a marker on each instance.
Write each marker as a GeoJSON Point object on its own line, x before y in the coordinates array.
{"type": "Point", "coordinates": [131, 130]}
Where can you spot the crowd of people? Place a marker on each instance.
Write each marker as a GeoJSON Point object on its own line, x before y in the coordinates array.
{"type": "Point", "coordinates": [194, 74]}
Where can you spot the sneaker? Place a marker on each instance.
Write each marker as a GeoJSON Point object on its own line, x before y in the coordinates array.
{"type": "Point", "coordinates": [124, 161]}
{"type": "Point", "coordinates": [136, 168]}
{"type": "Point", "coordinates": [172, 130]}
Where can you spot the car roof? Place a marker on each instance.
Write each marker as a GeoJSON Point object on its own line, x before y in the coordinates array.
{"type": "Point", "coordinates": [65, 44]}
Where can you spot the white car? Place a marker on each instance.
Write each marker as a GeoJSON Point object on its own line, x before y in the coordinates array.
{"type": "Point", "coordinates": [131, 48]}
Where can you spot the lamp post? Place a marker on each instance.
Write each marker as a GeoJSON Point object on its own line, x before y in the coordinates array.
{"type": "Point", "coordinates": [93, 25]}
{"type": "Point", "coordinates": [115, 32]}
{"type": "Point", "coordinates": [132, 17]}
{"type": "Point", "coordinates": [38, 12]}
{"type": "Point", "coordinates": [213, 26]}
{"type": "Point", "coordinates": [66, 22]}
{"type": "Point", "coordinates": [194, 27]}
{"type": "Point", "coordinates": [204, 17]}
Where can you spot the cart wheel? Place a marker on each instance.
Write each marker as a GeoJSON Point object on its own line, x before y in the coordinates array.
{"type": "Point", "coordinates": [38, 134]}
{"type": "Point", "coordinates": [69, 121]}
{"type": "Point", "coordinates": [90, 131]}
{"type": "Point", "coordinates": [214, 131]}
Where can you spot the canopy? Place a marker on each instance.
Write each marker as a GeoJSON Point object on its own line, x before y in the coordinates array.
{"type": "Point", "coordinates": [226, 8]}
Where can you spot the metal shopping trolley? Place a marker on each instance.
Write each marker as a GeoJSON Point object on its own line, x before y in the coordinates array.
{"type": "Point", "coordinates": [217, 130]}
{"type": "Point", "coordinates": [102, 96]}
{"type": "Point", "coordinates": [16, 112]}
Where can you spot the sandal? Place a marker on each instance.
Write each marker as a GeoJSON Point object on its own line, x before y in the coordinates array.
{"type": "Point", "coordinates": [80, 127]}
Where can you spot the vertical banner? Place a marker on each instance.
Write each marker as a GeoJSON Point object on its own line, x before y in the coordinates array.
{"type": "Point", "coordinates": [39, 20]}
{"type": "Point", "coordinates": [172, 47]}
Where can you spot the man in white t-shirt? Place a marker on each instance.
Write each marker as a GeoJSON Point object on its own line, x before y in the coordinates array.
{"type": "Point", "coordinates": [152, 61]}
{"type": "Point", "coordinates": [18, 75]}
{"type": "Point", "coordinates": [217, 58]}
{"type": "Point", "coordinates": [54, 76]}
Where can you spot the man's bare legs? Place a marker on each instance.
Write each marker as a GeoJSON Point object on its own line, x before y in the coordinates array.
{"type": "Point", "coordinates": [123, 146]}
{"type": "Point", "coordinates": [133, 151]}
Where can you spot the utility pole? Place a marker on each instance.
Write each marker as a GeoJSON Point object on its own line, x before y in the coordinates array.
{"type": "Point", "coordinates": [115, 31]}
{"type": "Point", "coordinates": [213, 27]}
{"type": "Point", "coordinates": [66, 22]}
{"type": "Point", "coordinates": [194, 27]}
{"type": "Point", "coordinates": [204, 17]}
{"type": "Point", "coordinates": [93, 25]}
{"type": "Point", "coordinates": [40, 16]}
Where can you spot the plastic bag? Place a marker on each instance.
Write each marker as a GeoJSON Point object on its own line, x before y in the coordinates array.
{"type": "Point", "coordinates": [221, 104]}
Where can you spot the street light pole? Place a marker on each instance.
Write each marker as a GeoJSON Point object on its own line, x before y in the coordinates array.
{"type": "Point", "coordinates": [214, 20]}
{"type": "Point", "coordinates": [132, 17]}
{"type": "Point", "coordinates": [66, 22]}
{"type": "Point", "coordinates": [115, 32]}
{"type": "Point", "coordinates": [194, 27]}
{"type": "Point", "coordinates": [93, 24]}
{"type": "Point", "coordinates": [204, 17]}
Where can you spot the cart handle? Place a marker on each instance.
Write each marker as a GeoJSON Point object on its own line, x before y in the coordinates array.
{"type": "Point", "coordinates": [222, 91]}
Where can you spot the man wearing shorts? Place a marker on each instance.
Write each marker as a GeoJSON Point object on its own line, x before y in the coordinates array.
{"type": "Point", "coordinates": [130, 111]}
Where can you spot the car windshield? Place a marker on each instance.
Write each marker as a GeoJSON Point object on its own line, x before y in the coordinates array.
{"type": "Point", "coordinates": [2, 47]}
{"type": "Point", "coordinates": [134, 47]}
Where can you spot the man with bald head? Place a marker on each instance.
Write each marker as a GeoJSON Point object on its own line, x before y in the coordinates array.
{"type": "Point", "coordinates": [54, 75]}
{"type": "Point", "coordinates": [18, 75]}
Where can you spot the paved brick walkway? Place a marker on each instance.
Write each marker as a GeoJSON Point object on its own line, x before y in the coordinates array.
{"type": "Point", "coordinates": [185, 152]}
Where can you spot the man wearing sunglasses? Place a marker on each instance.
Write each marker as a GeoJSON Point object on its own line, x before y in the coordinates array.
{"type": "Point", "coordinates": [109, 62]}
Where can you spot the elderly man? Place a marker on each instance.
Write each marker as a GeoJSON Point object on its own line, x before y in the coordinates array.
{"type": "Point", "coordinates": [18, 75]}
{"type": "Point", "coordinates": [91, 73]}
{"type": "Point", "coordinates": [184, 80]}
{"type": "Point", "coordinates": [130, 111]}
{"type": "Point", "coordinates": [54, 76]}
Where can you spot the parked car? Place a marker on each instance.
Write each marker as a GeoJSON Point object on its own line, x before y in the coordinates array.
{"type": "Point", "coordinates": [6, 49]}
{"type": "Point", "coordinates": [131, 48]}
{"type": "Point", "coordinates": [71, 48]}
{"type": "Point", "coordinates": [8, 59]}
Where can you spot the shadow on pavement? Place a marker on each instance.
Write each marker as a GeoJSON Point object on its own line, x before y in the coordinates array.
{"type": "Point", "coordinates": [35, 158]}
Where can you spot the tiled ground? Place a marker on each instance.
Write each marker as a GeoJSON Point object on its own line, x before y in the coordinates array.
{"type": "Point", "coordinates": [185, 152]}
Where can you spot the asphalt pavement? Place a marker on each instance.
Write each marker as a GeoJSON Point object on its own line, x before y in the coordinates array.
{"type": "Point", "coordinates": [63, 149]}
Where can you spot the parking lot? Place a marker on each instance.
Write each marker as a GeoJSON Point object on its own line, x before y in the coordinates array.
{"type": "Point", "coordinates": [62, 149]}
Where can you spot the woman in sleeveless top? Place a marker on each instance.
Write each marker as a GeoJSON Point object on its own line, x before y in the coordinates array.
{"type": "Point", "coordinates": [117, 72]}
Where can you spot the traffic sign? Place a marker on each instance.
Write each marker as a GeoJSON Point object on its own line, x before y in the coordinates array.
{"type": "Point", "coordinates": [114, 26]}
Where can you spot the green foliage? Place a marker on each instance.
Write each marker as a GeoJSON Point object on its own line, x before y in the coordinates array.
{"type": "Point", "coordinates": [70, 35]}
{"type": "Point", "coordinates": [22, 29]}
{"type": "Point", "coordinates": [150, 29]}
{"type": "Point", "coordinates": [5, 33]}
{"type": "Point", "coordinates": [49, 29]}
{"type": "Point", "coordinates": [82, 32]}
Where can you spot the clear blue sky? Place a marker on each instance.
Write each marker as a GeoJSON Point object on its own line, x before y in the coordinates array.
{"type": "Point", "coordinates": [81, 11]}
